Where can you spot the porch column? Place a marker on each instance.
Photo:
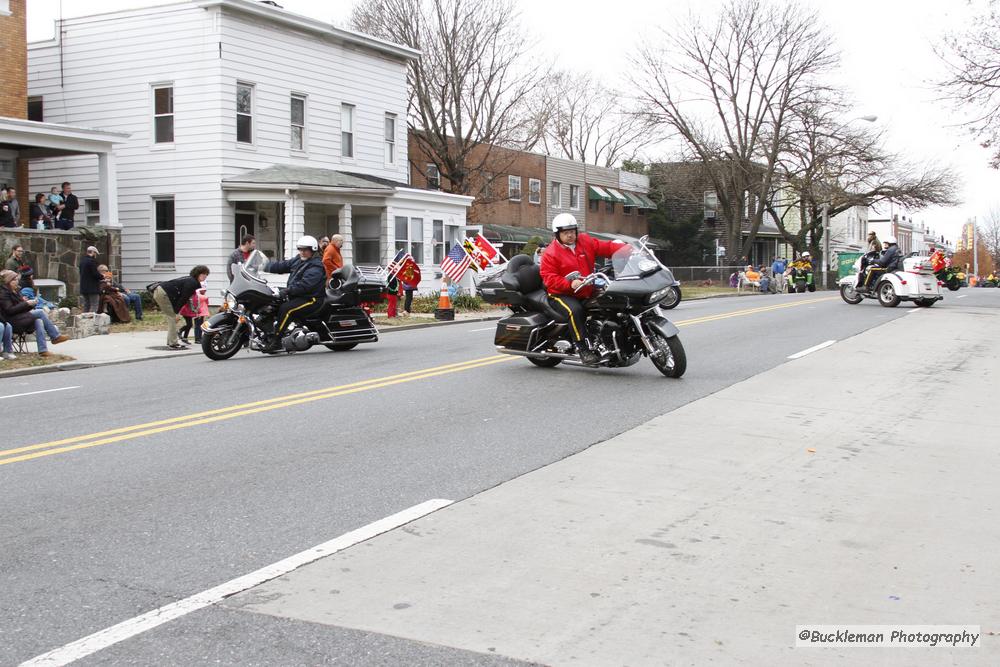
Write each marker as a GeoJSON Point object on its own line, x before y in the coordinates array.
{"type": "Point", "coordinates": [295, 222]}
{"type": "Point", "coordinates": [388, 226]}
{"type": "Point", "coordinates": [107, 189]}
{"type": "Point", "coordinates": [347, 231]}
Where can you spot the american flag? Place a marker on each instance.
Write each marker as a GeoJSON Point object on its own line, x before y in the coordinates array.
{"type": "Point", "coordinates": [398, 262]}
{"type": "Point", "coordinates": [455, 263]}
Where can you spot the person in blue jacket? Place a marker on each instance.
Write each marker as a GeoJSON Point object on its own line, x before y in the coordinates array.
{"type": "Point", "coordinates": [306, 285]}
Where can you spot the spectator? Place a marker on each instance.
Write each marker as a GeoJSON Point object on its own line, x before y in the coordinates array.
{"type": "Point", "coordinates": [765, 280]}
{"type": "Point", "coordinates": [22, 314]}
{"type": "Point", "coordinates": [132, 300]}
{"type": "Point", "coordinates": [332, 259]}
{"type": "Point", "coordinates": [778, 267]}
{"type": "Point", "coordinates": [16, 261]}
{"type": "Point", "coordinates": [90, 281]}
{"type": "Point", "coordinates": [392, 294]}
{"type": "Point", "coordinates": [753, 276]}
{"type": "Point", "coordinates": [55, 206]}
{"type": "Point", "coordinates": [6, 214]}
{"type": "Point", "coordinates": [408, 289]}
{"type": "Point", "coordinates": [70, 204]}
{"type": "Point", "coordinates": [171, 296]}
{"type": "Point", "coordinates": [194, 313]}
{"type": "Point", "coordinates": [323, 243]}
{"type": "Point", "coordinates": [247, 245]}
{"type": "Point", "coordinates": [15, 206]}
{"type": "Point", "coordinates": [7, 335]}
{"type": "Point", "coordinates": [30, 292]}
{"type": "Point", "coordinates": [38, 213]}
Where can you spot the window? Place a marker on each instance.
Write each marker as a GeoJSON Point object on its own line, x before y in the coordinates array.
{"type": "Point", "coordinates": [390, 138]}
{"type": "Point", "coordinates": [5, 8]}
{"type": "Point", "coordinates": [244, 113]}
{"type": "Point", "coordinates": [92, 210]}
{"type": "Point", "coordinates": [410, 237]}
{"type": "Point", "coordinates": [163, 114]}
{"type": "Point", "coordinates": [555, 195]}
{"type": "Point", "coordinates": [711, 204]}
{"type": "Point", "coordinates": [298, 127]}
{"type": "Point", "coordinates": [594, 205]}
{"type": "Point", "coordinates": [609, 207]}
{"type": "Point", "coordinates": [163, 245]}
{"type": "Point", "coordinates": [486, 190]}
{"type": "Point", "coordinates": [433, 177]}
{"type": "Point", "coordinates": [438, 242]}
{"type": "Point", "coordinates": [514, 188]}
{"type": "Point", "coordinates": [347, 130]}
{"type": "Point", "coordinates": [627, 210]}
{"type": "Point", "coordinates": [574, 197]}
{"type": "Point", "coordinates": [36, 109]}
{"type": "Point", "coordinates": [534, 191]}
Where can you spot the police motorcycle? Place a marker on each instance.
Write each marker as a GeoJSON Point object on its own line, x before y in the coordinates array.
{"type": "Point", "coordinates": [248, 313]}
{"type": "Point", "coordinates": [624, 319]}
{"type": "Point", "coordinates": [912, 279]}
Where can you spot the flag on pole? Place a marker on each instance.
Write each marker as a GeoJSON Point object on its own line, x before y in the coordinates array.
{"type": "Point", "coordinates": [479, 260]}
{"type": "Point", "coordinates": [455, 263]}
{"type": "Point", "coordinates": [396, 263]}
{"type": "Point", "coordinates": [489, 250]}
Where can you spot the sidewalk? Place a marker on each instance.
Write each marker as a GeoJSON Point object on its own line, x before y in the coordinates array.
{"type": "Point", "coordinates": [120, 348]}
{"type": "Point", "coordinates": [708, 534]}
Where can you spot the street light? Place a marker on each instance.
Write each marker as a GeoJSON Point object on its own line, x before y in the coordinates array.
{"type": "Point", "coordinates": [826, 212]}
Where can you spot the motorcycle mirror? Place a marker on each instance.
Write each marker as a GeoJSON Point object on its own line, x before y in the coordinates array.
{"type": "Point", "coordinates": [573, 276]}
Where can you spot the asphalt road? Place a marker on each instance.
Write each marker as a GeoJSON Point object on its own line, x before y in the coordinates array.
{"type": "Point", "coordinates": [102, 528]}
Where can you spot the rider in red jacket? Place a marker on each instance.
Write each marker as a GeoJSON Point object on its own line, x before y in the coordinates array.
{"type": "Point", "coordinates": [571, 251]}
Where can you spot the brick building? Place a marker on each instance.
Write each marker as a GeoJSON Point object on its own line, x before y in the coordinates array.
{"type": "Point", "coordinates": [14, 88]}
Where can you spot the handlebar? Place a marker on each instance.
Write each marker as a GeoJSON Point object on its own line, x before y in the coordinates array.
{"type": "Point", "coordinates": [591, 279]}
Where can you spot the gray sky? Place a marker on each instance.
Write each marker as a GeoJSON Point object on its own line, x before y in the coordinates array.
{"type": "Point", "coordinates": [886, 48]}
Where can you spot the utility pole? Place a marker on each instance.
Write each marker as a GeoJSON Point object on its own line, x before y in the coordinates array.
{"type": "Point", "coordinates": [975, 250]}
{"type": "Point", "coordinates": [826, 245]}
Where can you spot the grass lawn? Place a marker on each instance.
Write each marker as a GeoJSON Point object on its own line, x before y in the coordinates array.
{"type": "Point", "coordinates": [152, 320]}
{"type": "Point", "coordinates": [695, 292]}
{"type": "Point", "coordinates": [31, 360]}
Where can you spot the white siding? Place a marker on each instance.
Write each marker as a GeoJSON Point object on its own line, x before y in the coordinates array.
{"type": "Point", "coordinates": [633, 182]}
{"type": "Point", "coordinates": [567, 173]}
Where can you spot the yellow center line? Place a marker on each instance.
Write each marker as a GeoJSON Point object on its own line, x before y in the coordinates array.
{"type": "Point", "coordinates": [750, 311]}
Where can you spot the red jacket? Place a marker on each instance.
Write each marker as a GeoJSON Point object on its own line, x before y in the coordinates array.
{"type": "Point", "coordinates": [558, 261]}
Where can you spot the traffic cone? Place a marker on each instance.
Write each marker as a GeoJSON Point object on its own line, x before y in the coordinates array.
{"type": "Point", "coordinates": [444, 311]}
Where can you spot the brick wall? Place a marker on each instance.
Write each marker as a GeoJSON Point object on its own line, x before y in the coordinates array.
{"type": "Point", "coordinates": [617, 222]}
{"type": "Point", "coordinates": [14, 82]}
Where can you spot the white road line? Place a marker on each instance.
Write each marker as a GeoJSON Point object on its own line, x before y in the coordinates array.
{"type": "Point", "coordinates": [43, 391]}
{"type": "Point", "coordinates": [486, 329]}
{"type": "Point", "coordinates": [962, 296]}
{"type": "Point", "coordinates": [812, 349]}
{"type": "Point", "coordinates": [134, 626]}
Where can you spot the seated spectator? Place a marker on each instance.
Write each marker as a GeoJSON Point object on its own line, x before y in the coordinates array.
{"type": "Point", "coordinates": [132, 300]}
{"type": "Point", "coordinates": [765, 280]}
{"type": "Point", "coordinates": [753, 276]}
{"type": "Point", "coordinates": [7, 335]}
{"type": "Point", "coordinates": [38, 213]}
{"type": "Point", "coordinates": [23, 315]}
{"type": "Point", "coordinates": [28, 291]}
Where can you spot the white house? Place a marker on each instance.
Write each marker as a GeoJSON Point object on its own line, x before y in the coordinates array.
{"type": "Point", "coordinates": [849, 230]}
{"type": "Point", "coordinates": [242, 118]}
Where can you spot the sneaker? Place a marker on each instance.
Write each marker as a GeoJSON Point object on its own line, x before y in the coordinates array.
{"type": "Point", "coordinates": [9, 356]}
{"type": "Point", "coordinates": [61, 338]}
{"type": "Point", "coordinates": [185, 340]}
{"type": "Point", "coordinates": [45, 354]}
{"type": "Point", "coordinates": [177, 346]}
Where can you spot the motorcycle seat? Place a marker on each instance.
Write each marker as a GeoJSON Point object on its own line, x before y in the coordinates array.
{"type": "Point", "coordinates": [524, 277]}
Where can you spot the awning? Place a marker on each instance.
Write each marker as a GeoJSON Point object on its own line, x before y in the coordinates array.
{"type": "Point", "coordinates": [617, 196]}
{"type": "Point", "coordinates": [596, 193]}
{"type": "Point", "coordinates": [633, 200]}
{"type": "Point", "coordinates": [516, 235]}
{"type": "Point", "coordinates": [646, 201]}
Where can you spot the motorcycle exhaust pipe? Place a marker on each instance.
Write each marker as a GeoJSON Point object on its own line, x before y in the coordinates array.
{"type": "Point", "coordinates": [539, 355]}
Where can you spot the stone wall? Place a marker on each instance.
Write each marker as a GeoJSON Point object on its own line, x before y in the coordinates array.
{"type": "Point", "coordinates": [56, 254]}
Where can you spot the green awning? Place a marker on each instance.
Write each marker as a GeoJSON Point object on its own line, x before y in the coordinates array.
{"type": "Point", "coordinates": [633, 200]}
{"type": "Point", "coordinates": [598, 194]}
{"type": "Point", "coordinates": [512, 234]}
{"type": "Point", "coordinates": [619, 197]}
{"type": "Point", "coordinates": [646, 201]}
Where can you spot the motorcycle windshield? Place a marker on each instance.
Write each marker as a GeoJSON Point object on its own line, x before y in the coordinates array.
{"type": "Point", "coordinates": [633, 260]}
{"type": "Point", "coordinates": [255, 263]}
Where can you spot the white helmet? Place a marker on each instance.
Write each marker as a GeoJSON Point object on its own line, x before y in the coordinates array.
{"type": "Point", "coordinates": [564, 221]}
{"type": "Point", "coordinates": [891, 240]}
{"type": "Point", "coordinates": [308, 242]}
{"type": "Point", "coordinates": [806, 254]}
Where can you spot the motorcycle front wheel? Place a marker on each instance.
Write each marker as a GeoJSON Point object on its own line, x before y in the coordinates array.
{"type": "Point", "coordinates": [850, 295]}
{"type": "Point", "coordinates": [671, 361]}
{"type": "Point", "coordinates": [220, 345]}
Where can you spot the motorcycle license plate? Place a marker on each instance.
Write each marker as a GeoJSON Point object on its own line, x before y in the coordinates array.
{"type": "Point", "coordinates": [347, 323]}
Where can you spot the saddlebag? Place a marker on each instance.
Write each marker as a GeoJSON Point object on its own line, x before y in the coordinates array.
{"type": "Point", "coordinates": [519, 331]}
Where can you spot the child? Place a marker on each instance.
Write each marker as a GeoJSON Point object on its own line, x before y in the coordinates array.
{"type": "Point", "coordinates": [194, 313]}
{"type": "Point", "coordinates": [55, 204]}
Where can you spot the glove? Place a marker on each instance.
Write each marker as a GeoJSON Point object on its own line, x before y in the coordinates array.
{"type": "Point", "coordinates": [283, 292]}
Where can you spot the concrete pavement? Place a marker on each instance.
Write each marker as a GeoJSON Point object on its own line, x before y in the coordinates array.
{"type": "Point", "coordinates": [709, 533]}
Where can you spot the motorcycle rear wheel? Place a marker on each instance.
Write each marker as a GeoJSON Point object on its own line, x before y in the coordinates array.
{"type": "Point", "coordinates": [673, 363]}
{"type": "Point", "coordinates": [545, 363]}
{"type": "Point", "coordinates": [216, 347]}
{"type": "Point", "coordinates": [340, 347]}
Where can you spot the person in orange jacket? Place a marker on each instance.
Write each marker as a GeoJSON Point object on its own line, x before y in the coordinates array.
{"type": "Point", "coordinates": [572, 251]}
{"type": "Point", "coordinates": [332, 259]}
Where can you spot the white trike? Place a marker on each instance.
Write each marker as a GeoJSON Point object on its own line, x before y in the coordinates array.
{"type": "Point", "coordinates": [914, 282]}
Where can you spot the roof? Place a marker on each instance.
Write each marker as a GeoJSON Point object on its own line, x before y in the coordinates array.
{"type": "Point", "coordinates": [32, 134]}
{"type": "Point", "coordinates": [288, 175]}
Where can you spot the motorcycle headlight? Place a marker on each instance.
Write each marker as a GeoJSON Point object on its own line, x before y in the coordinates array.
{"type": "Point", "coordinates": [658, 295]}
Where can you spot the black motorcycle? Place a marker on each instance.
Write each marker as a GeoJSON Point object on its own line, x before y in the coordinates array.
{"type": "Point", "coordinates": [624, 318]}
{"type": "Point", "coordinates": [247, 317]}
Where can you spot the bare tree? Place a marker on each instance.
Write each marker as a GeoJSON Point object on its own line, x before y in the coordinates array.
{"type": "Point", "coordinates": [831, 162]}
{"type": "Point", "coordinates": [468, 88]}
{"type": "Point", "coordinates": [727, 89]}
{"type": "Point", "coordinates": [973, 81]}
{"type": "Point", "coordinates": [990, 234]}
{"type": "Point", "coordinates": [580, 118]}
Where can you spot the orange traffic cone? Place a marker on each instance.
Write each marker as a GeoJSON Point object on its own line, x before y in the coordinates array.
{"type": "Point", "coordinates": [444, 311]}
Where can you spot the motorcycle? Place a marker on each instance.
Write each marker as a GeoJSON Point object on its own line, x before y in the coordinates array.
{"type": "Point", "coordinates": [801, 279]}
{"type": "Point", "coordinates": [624, 319]}
{"type": "Point", "coordinates": [915, 281]}
{"type": "Point", "coordinates": [250, 307]}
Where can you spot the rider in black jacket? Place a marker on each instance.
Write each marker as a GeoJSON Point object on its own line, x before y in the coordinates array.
{"type": "Point", "coordinates": [306, 284]}
{"type": "Point", "coordinates": [887, 261]}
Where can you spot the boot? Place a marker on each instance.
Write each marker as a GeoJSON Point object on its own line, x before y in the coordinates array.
{"type": "Point", "coordinates": [587, 354]}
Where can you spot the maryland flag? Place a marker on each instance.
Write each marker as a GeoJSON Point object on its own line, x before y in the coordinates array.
{"type": "Point", "coordinates": [487, 249]}
{"type": "Point", "coordinates": [479, 259]}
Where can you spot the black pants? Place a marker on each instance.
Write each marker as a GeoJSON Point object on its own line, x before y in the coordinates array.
{"type": "Point", "coordinates": [869, 273]}
{"type": "Point", "coordinates": [189, 323]}
{"type": "Point", "coordinates": [572, 308]}
{"type": "Point", "coordinates": [407, 299]}
{"type": "Point", "coordinates": [295, 309]}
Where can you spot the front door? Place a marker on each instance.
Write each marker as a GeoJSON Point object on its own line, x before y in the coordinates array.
{"type": "Point", "coordinates": [246, 223]}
